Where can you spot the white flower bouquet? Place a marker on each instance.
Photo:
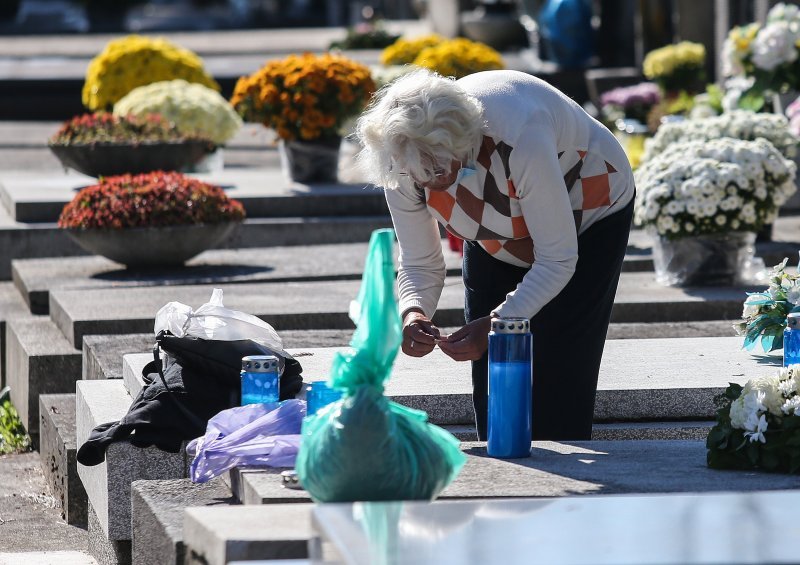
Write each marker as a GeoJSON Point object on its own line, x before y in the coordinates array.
{"type": "Point", "coordinates": [718, 186]}
{"type": "Point", "coordinates": [764, 313]}
{"type": "Point", "coordinates": [739, 124]}
{"type": "Point", "coordinates": [768, 53]}
{"type": "Point", "coordinates": [193, 108]}
{"type": "Point", "coordinates": [758, 425]}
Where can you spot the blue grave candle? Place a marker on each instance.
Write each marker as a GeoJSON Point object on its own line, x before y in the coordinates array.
{"type": "Point", "coordinates": [260, 379]}
{"type": "Point", "coordinates": [791, 340]}
{"type": "Point", "coordinates": [319, 395]}
{"type": "Point", "coordinates": [510, 384]}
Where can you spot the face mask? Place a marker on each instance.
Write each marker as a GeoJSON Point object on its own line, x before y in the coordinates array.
{"type": "Point", "coordinates": [465, 172]}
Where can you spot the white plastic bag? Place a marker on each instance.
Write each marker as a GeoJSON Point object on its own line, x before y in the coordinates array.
{"type": "Point", "coordinates": [213, 321]}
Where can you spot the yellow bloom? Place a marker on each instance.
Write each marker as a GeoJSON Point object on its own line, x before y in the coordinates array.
{"type": "Point", "coordinates": [459, 58]}
{"type": "Point", "coordinates": [134, 61]}
{"type": "Point", "coordinates": [404, 51]}
{"type": "Point", "coordinates": [666, 60]}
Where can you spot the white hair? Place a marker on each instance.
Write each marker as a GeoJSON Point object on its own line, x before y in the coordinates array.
{"type": "Point", "coordinates": [419, 123]}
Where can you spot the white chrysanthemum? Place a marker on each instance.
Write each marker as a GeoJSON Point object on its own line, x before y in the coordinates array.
{"type": "Point", "coordinates": [783, 12]}
{"type": "Point", "coordinates": [750, 309]}
{"type": "Point", "coordinates": [787, 388]}
{"type": "Point", "coordinates": [772, 400]}
{"type": "Point", "coordinates": [195, 109]}
{"type": "Point", "coordinates": [774, 45]}
{"type": "Point", "coordinates": [738, 413]}
{"type": "Point", "coordinates": [792, 406]}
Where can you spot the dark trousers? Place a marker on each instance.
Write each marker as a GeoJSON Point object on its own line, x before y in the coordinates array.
{"type": "Point", "coordinates": [568, 333]}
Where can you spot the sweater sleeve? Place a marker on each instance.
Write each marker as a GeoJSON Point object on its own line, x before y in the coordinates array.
{"type": "Point", "coordinates": [546, 207]}
{"type": "Point", "coordinates": [421, 273]}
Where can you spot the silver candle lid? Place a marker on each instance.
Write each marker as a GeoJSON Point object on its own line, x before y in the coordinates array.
{"type": "Point", "coordinates": [793, 320]}
{"type": "Point", "coordinates": [511, 325]}
{"type": "Point", "coordinates": [259, 363]}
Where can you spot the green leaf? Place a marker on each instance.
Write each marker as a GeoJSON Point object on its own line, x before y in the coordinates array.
{"type": "Point", "coordinates": [751, 101]}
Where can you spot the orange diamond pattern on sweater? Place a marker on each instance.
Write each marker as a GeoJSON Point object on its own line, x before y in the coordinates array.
{"type": "Point", "coordinates": [443, 203]}
{"type": "Point", "coordinates": [596, 192]}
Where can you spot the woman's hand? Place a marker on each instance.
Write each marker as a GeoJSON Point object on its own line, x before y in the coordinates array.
{"type": "Point", "coordinates": [419, 334]}
{"type": "Point", "coordinates": [470, 342]}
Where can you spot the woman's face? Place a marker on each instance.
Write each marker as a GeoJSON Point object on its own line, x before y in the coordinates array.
{"type": "Point", "coordinates": [444, 179]}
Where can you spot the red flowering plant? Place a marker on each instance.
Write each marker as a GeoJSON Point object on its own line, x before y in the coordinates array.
{"type": "Point", "coordinates": [152, 199]}
{"type": "Point", "coordinates": [106, 128]}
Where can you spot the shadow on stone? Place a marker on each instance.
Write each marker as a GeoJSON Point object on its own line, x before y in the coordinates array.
{"type": "Point", "coordinates": [197, 274]}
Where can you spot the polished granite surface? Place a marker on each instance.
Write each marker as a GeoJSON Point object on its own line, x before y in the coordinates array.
{"type": "Point", "coordinates": [758, 527]}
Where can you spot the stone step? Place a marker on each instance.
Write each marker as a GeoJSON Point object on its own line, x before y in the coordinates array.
{"type": "Point", "coordinates": [157, 510]}
{"type": "Point", "coordinates": [36, 278]}
{"type": "Point", "coordinates": [557, 469]}
{"type": "Point", "coordinates": [35, 197]}
{"type": "Point", "coordinates": [640, 380]}
{"type": "Point", "coordinates": [324, 305]}
{"type": "Point", "coordinates": [57, 447]}
{"type": "Point", "coordinates": [40, 361]}
{"type": "Point", "coordinates": [106, 551]}
{"type": "Point", "coordinates": [11, 306]}
{"type": "Point", "coordinates": [222, 535]}
{"type": "Point", "coordinates": [102, 354]}
{"type": "Point", "coordinates": [108, 485]}
{"type": "Point", "coordinates": [47, 558]}
{"type": "Point", "coordinates": [25, 241]}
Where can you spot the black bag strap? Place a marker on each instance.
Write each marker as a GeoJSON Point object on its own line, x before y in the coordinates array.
{"type": "Point", "coordinates": [199, 422]}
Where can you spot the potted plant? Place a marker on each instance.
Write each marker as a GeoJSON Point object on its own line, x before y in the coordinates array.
{"type": "Point", "coordinates": [768, 55]}
{"type": "Point", "coordinates": [134, 61]}
{"type": "Point", "coordinates": [306, 99]}
{"type": "Point", "coordinates": [676, 68]}
{"type": "Point", "coordinates": [739, 124]}
{"type": "Point", "coordinates": [195, 109]}
{"type": "Point", "coordinates": [154, 219]}
{"type": "Point", "coordinates": [704, 201]}
{"type": "Point", "coordinates": [764, 313]}
{"type": "Point", "coordinates": [449, 57]}
{"type": "Point", "coordinates": [103, 144]}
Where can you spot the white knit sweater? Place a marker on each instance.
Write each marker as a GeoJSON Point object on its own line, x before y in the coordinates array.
{"type": "Point", "coordinates": [546, 171]}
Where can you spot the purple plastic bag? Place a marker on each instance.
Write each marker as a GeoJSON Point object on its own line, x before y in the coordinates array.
{"type": "Point", "coordinates": [253, 435]}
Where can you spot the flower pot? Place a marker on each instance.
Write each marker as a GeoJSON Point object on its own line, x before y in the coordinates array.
{"type": "Point", "coordinates": [152, 246]}
{"type": "Point", "coordinates": [107, 159]}
{"type": "Point", "coordinates": [713, 259]}
{"type": "Point", "coordinates": [310, 161]}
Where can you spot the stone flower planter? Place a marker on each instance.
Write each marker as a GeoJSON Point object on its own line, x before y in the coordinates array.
{"type": "Point", "coordinates": [107, 159]}
{"type": "Point", "coordinates": [711, 259]}
{"type": "Point", "coordinates": [152, 247]}
{"type": "Point", "coordinates": [310, 161]}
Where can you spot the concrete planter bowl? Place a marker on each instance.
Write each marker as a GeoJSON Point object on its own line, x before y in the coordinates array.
{"type": "Point", "coordinates": [108, 159]}
{"type": "Point", "coordinates": [153, 247]}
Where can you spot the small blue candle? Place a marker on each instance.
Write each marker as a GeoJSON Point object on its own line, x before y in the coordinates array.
{"type": "Point", "coordinates": [791, 340]}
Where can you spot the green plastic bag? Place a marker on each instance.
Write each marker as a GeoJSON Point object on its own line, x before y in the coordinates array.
{"type": "Point", "coordinates": [365, 447]}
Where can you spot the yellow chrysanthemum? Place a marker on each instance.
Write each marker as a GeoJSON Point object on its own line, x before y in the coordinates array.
{"type": "Point", "coordinates": [666, 60]}
{"type": "Point", "coordinates": [134, 61]}
{"type": "Point", "coordinates": [404, 51]}
{"type": "Point", "coordinates": [459, 58]}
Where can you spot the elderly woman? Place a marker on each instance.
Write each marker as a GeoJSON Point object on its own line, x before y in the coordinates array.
{"type": "Point", "coordinates": [541, 193]}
